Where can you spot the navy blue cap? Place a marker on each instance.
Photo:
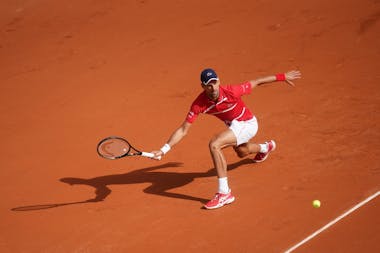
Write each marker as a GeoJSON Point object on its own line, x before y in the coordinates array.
{"type": "Point", "coordinates": [208, 75]}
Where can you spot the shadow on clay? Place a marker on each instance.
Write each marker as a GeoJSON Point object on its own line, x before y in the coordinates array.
{"type": "Point", "coordinates": [161, 183]}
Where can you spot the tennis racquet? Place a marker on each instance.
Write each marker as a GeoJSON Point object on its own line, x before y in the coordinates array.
{"type": "Point", "coordinates": [115, 147]}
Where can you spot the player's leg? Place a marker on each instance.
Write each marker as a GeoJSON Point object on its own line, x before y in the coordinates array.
{"type": "Point", "coordinates": [244, 131]}
{"type": "Point", "coordinates": [217, 143]}
{"type": "Point", "coordinates": [247, 149]}
{"type": "Point", "coordinates": [261, 150]}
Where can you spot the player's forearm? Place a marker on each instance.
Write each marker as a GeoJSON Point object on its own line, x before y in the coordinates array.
{"type": "Point", "coordinates": [262, 80]}
{"type": "Point", "coordinates": [176, 136]}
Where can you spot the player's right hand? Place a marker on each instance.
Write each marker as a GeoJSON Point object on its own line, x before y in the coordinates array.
{"type": "Point", "coordinates": [158, 154]}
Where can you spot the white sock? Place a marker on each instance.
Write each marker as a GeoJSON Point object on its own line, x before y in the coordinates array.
{"type": "Point", "coordinates": [223, 185]}
{"type": "Point", "coordinates": [263, 148]}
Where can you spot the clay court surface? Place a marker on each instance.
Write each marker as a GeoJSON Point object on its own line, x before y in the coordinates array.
{"type": "Point", "coordinates": [73, 72]}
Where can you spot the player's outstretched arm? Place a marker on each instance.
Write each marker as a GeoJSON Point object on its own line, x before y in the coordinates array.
{"type": "Point", "coordinates": [176, 137]}
{"type": "Point", "coordinates": [288, 77]}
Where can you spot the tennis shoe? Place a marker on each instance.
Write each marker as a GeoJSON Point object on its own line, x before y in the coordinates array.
{"type": "Point", "coordinates": [260, 157]}
{"type": "Point", "coordinates": [220, 200]}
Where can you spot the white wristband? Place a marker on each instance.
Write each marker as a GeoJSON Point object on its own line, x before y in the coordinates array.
{"type": "Point", "coordinates": [165, 148]}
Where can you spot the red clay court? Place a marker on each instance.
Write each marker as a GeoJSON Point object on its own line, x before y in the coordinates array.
{"type": "Point", "coordinates": [74, 72]}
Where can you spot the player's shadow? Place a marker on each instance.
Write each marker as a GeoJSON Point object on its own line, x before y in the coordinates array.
{"type": "Point", "coordinates": [161, 183]}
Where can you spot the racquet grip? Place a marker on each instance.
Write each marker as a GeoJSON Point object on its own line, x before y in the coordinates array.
{"type": "Point", "coordinates": [150, 155]}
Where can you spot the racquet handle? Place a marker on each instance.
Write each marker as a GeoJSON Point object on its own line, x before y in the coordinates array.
{"type": "Point", "coordinates": [150, 155]}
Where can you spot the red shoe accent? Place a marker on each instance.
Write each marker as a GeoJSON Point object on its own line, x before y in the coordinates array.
{"type": "Point", "coordinates": [220, 200]}
{"type": "Point", "coordinates": [260, 157]}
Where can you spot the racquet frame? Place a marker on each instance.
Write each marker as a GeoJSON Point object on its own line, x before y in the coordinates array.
{"type": "Point", "coordinates": [132, 151]}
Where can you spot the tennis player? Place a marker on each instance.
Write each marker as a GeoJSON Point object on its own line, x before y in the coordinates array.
{"type": "Point", "coordinates": [225, 103]}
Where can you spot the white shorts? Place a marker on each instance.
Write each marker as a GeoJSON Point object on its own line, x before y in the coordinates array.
{"type": "Point", "coordinates": [244, 130]}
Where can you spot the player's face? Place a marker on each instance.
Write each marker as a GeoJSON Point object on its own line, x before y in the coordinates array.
{"type": "Point", "coordinates": [212, 89]}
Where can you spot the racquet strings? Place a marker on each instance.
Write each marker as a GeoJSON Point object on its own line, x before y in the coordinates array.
{"type": "Point", "coordinates": [113, 148]}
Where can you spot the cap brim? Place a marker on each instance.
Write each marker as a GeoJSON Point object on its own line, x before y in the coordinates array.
{"type": "Point", "coordinates": [211, 79]}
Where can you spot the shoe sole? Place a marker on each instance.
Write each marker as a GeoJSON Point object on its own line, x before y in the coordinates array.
{"type": "Point", "coordinates": [229, 201]}
{"type": "Point", "coordinates": [260, 161]}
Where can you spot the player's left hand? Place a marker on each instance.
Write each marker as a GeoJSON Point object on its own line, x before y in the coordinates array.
{"type": "Point", "coordinates": [292, 75]}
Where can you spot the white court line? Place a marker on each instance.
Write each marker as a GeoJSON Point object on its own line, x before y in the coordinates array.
{"type": "Point", "coordinates": [333, 222]}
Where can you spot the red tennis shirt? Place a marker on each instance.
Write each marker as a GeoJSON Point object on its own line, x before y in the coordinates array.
{"type": "Point", "coordinates": [228, 107]}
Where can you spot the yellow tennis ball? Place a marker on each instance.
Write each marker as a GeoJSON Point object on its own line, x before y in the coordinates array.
{"type": "Point", "coordinates": [316, 203]}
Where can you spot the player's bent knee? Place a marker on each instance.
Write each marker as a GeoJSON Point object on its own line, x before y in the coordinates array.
{"type": "Point", "coordinates": [241, 154]}
{"type": "Point", "coordinates": [214, 144]}
{"type": "Point", "coordinates": [241, 151]}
